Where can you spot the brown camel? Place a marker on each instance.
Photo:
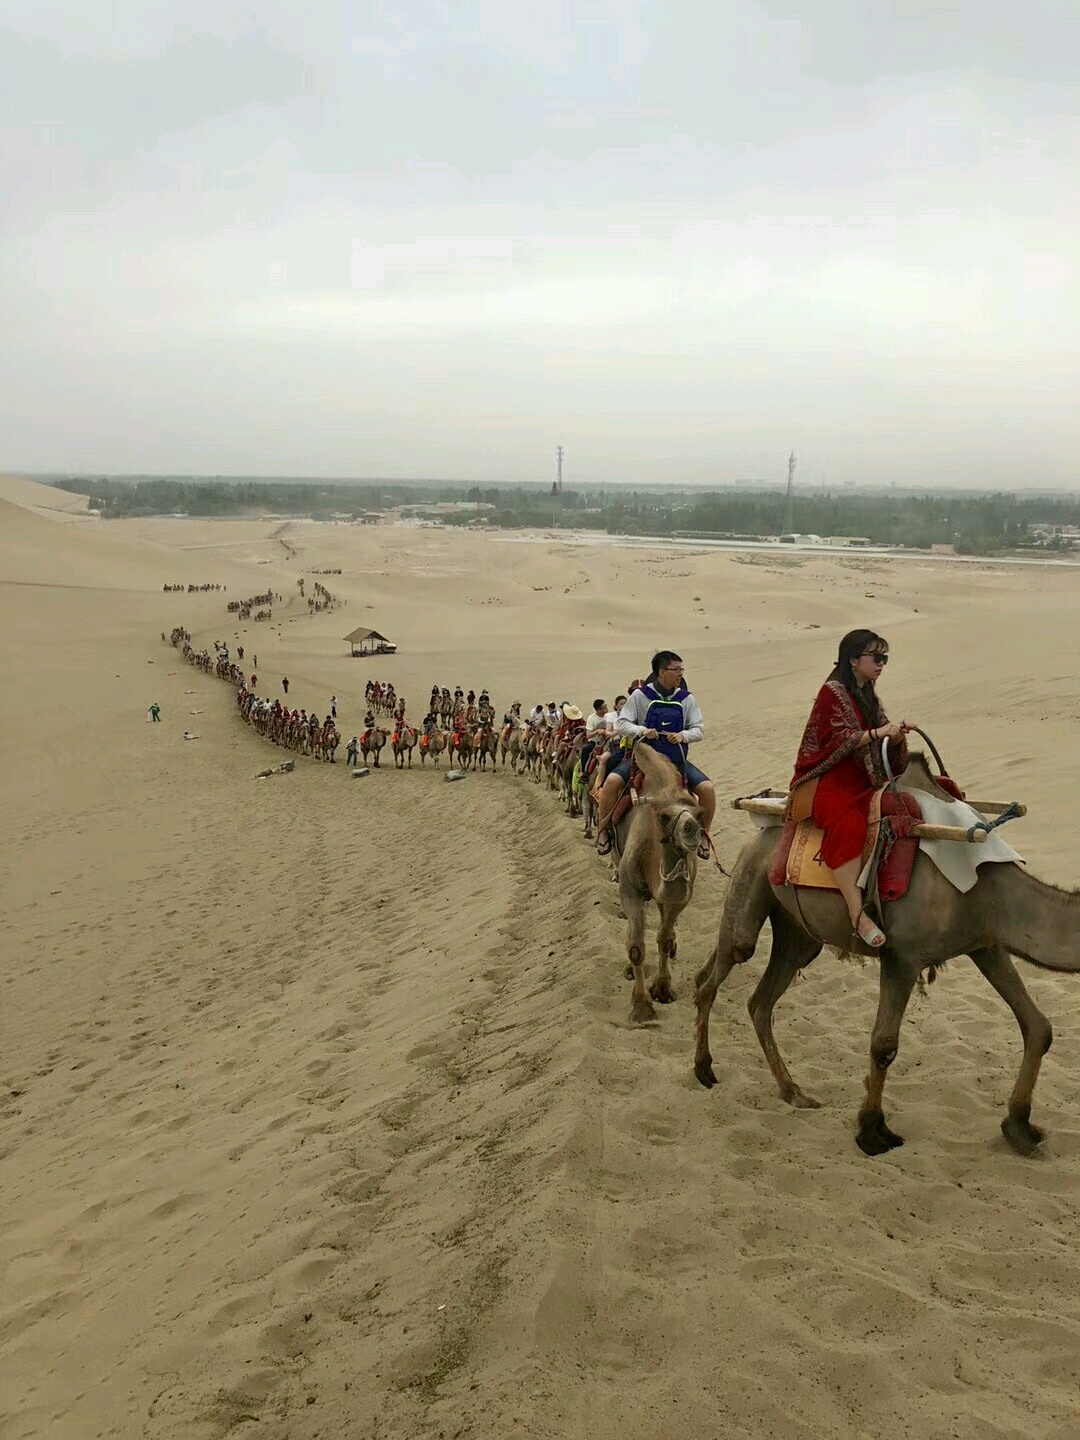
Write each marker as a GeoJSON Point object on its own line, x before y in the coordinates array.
{"type": "Point", "coordinates": [657, 842]}
{"type": "Point", "coordinates": [530, 749]}
{"type": "Point", "coordinates": [565, 762]}
{"type": "Point", "coordinates": [1007, 912]}
{"type": "Point", "coordinates": [371, 742]}
{"type": "Point", "coordinates": [460, 747]}
{"type": "Point", "coordinates": [436, 744]}
{"type": "Point", "coordinates": [403, 742]}
{"type": "Point", "coordinates": [485, 745]}
{"type": "Point", "coordinates": [510, 743]}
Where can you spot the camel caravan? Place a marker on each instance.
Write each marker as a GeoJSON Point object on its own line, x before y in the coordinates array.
{"type": "Point", "coordinates": [292, 729]}
{"type": "Point", "coordinates": [322, 599]}
{"type": "Point", "coordinates": [242, 608]}
{"type": "Point", "coordinates": [869, 850]}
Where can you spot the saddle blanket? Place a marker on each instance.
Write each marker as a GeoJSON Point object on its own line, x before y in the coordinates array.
{"type": "Point", "coordinates": [797, 860]}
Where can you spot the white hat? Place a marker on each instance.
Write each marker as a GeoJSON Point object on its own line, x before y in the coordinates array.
{"type": "Point", "coordinates": [571, 712]}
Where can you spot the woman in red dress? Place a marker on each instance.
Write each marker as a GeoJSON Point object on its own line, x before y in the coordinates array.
{"type": "Point", "coordinates": [840, 762]}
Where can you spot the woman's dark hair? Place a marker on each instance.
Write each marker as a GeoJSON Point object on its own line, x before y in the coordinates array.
{"type": "Point", "coordinates": [854, 644]}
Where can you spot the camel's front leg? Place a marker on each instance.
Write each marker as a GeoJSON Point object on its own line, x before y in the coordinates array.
{"type": "Point", "coordinates": [897, 982]}
{"type": "Point", "coordinates": [999, 969]}
{"type": "Point", "coordinates": [661, 988]}
{"type": "Point", "coordinates": [633, 905]}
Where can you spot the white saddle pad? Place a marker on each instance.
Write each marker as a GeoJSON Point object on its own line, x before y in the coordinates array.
{"type": "Point", "coordinates": [957, 860]}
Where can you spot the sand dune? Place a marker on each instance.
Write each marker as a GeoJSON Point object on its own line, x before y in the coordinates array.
{"type": "Point", "coordinates": [320, 1112]}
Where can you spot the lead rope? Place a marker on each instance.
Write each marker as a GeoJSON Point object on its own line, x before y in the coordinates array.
{"type": "Point", "coordinates": [715, 856]}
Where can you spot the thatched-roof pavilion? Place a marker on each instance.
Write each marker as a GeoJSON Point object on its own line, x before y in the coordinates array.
{"type": "Point", "coordinates": [369, 642]}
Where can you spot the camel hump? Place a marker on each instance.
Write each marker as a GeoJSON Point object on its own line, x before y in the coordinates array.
{"type": "Point", "coordinates": [659, 772]}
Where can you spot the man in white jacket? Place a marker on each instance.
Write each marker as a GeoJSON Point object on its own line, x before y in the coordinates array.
{"type": "Point", "coordinates": [661, 713]}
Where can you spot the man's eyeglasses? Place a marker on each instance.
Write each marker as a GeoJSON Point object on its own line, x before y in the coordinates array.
{"type": "Point", "coordinates": [876, 656]}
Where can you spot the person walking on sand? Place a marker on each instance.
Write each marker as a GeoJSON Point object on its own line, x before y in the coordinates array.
{"type": "Point", "coordinates": [333, 707]}
{"type": "Point", "coordinates": [285, 683]}
{"type": "Point", "coordinates": [352, 751]}
{"type": "Point", "coordinates": [155, 712]}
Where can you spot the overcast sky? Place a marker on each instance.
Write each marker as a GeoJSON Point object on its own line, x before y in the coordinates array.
{"type": "Point", "coordinates": [439, 238]}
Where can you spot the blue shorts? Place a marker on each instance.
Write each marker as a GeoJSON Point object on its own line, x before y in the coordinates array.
{"type": "Point", "coordinates": [693, 776]}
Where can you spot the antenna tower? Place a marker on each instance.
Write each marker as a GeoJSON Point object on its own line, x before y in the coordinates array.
{"type": "Point", "coordinates": [558, 475]}
{"type": "Point", "coordinates": [790, 520]}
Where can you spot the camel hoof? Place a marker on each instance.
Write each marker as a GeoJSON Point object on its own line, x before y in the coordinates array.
{"type": "Point", "coordinates": [629, 971]}
{"type": "Point", "coordinates": [1024, 1137]}
{"type": "Point", "coordinates": [801, 1101]}
{"type": "Point", "coordinates": [705, 1073]}
{"type": "Point", "coordinates": [642, 1011]}
{"type": "Point", "coordinates": [661, 991]}
{"type": "Point", "coordinates": [875, 1137]}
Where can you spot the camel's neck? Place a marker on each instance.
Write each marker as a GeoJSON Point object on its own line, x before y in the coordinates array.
{"type": "Point", "coordinates": [1034, 920]}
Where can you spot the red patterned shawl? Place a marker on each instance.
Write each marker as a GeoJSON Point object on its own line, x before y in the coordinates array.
{"type": "Point", "coordinates": [833, 733]}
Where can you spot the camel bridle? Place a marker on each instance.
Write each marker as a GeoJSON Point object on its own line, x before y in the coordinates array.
{"type": "Point", "coordinates": [683, 848]}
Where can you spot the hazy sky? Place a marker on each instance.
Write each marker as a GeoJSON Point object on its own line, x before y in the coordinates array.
{"type": "Point", "coordinates": [438, 238]}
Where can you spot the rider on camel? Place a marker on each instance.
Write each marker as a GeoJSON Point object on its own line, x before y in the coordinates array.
{"type": "Point", "coordinates": [611, 745]}
{"type": "Point", "coordinates": [594, 731]}
{"type": "Point", "coordinates": [663, 713]}
{"type": "Point", "coordinates": [839, 765]}
{"type": "Point", "coordinates": [510, 719]}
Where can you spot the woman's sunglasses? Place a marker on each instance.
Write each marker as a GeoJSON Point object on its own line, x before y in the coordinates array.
{"type": "Point", "coordinates": [874, 655]}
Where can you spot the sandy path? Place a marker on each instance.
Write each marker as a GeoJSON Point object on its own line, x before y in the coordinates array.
{"type": "Point", "coordinates": [290, 1065]}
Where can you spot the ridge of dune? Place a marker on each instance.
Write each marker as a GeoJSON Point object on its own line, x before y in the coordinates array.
{"type": "Point", "coordinates": [42, 499]}
{"type": "Point", "coordinates": [320, 1111]}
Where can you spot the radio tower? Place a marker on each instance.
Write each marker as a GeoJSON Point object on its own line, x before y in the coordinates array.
{"type": "Point", "coordinates": [558, 476]}
{"type": "Point", "coordinates": [790, 521]}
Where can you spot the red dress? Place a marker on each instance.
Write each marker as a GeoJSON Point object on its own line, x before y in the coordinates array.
{"type": "Point", "coordinates": [847, 775]}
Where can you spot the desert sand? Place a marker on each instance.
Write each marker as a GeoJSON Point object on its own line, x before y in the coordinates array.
{"type": "Point", "coordinates": [320, 1110]}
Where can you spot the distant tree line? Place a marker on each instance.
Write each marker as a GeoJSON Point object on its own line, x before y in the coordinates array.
{"type": "Point", "coordinates": [975, 524]}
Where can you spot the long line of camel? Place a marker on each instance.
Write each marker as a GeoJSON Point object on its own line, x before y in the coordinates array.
{"type": "Point", "coordinates": [547, 747]}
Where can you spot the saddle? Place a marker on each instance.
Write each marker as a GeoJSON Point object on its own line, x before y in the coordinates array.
{"type": "Point", "coordinates": [626, 799]}
{"type": "Point", "coordinates": [890, 848]}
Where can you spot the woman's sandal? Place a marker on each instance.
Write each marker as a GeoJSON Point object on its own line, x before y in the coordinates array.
{"type": "Point", "coordinates": [874, 937]}
{"type": "Point", "coordinates": [603, 842]}
{"type": "Point", "coordinates": [704, 850]}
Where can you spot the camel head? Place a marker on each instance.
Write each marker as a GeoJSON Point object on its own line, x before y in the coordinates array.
{"type": "Point", "coordinates": [678, 820]}
{"type": "Point", "coordinates": [676, 812]}
{"type": "Point", "coordinates": [917, 776]}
